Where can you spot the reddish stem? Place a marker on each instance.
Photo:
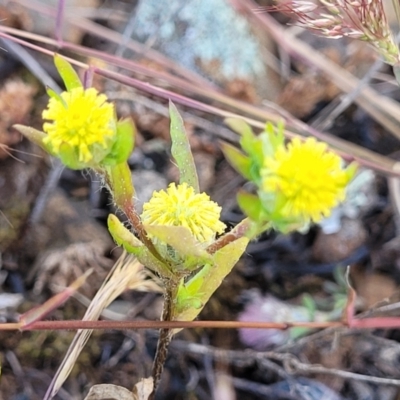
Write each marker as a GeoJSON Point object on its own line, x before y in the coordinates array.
{"type": "Point", "coordinates": [237, 232]}
{"type": "Point", "coordinates": [78, 324]}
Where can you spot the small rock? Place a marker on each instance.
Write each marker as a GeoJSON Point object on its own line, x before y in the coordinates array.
{"type": "Point", "coordinates": [145, 183]}
{"type": "Point", "coordinates": [337, 246]}
{"type": "Point", "coordinates": [269, 309]}
{"type": "Point", "coordinates": [208, 37]}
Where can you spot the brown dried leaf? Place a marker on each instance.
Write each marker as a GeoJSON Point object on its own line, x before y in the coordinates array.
{"type": "Point", "coordinates": [143, 389]}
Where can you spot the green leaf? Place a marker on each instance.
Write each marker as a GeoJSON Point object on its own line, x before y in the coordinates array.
{"type": "Point", "coordinates": [182, 241]}
{"type": "Point", "coordinates": [124, 143]}
{"type": "Point", "coordinates": [123, 237]}
{"type": "Point", "coordinates": [208, 279]}
{"type": "Point", "coordinates": [188, 298]}
{"type": "Point", "coordinates": [53, 94]}
{"type": "Point", "coordinates": [272, 138]}
{"type": "Point", "coordinates": [120, 181]}
{"type": "Point", "coordinates": [33, 135]}
{"type": "Point", "coordinates": [226, 258]}
{"type": "Point", "coordinates": [250, 204]}
{"type": "Point", "coordinates": [238, 160]}
{"type": "Point", "coordinates": [249, 142]}
{"type": "Point", "coordinates": [310, 304]}
{"type": "Point", "coordinates": [181, 150]}
{"type": "Point", "coordinates": [67, 73]}
{"type": "Point", "coordinates": [239, 126]}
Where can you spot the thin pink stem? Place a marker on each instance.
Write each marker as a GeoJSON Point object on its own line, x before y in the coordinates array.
{"type": "Point", "coordinates": [59, 21]}
{"type": "Point", "coordinates": [78, 324]}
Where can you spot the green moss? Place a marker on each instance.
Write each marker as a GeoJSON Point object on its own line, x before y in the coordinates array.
{"type": "Point", "coordinates": [14, 216]}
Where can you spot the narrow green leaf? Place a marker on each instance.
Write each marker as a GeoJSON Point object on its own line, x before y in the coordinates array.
{"type": "Point", "coordinates": [239, 126]}
{"type": "Point", "coordinates": [248, 140]}
{"type": "Point", "coordinates": [238, 160]}
{"type": "Point", "coordinates": [250, 204]}
{"type": "Point", "coordinates": [188, 298]}
{"type": "Point", "coordinates": [181, 150]}
{"type": "Point", "coordinates": [226, 258]}
{"type": "Point", "coordinates": [272, 138]}
{"type": "Point", "coordinates": [202, 286]}
{"type": "Point", "coordinates": [32, 134]}
{"type": "Point", "coordinates": [120, 181]}
{"type": "Point", "coordinates": [53, 94]}
{"type": "Point", "coordinates": [67, 73]}
{"type": "Point", "coordinates": [254, 147]}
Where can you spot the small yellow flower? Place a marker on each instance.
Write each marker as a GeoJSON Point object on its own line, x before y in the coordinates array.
{"type": "Point", "coordinates": [181, 206]}
{"type": "Point", "coordinates": [307, 178]}
{"type": "Point", "coordinates": [84, 120]}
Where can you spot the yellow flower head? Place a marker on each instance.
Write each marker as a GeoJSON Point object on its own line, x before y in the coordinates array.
{"type": "Point", "coordinates": [307, 178]}
{"type": "Point", "coordinates": [181, 206]}
{"type": "Point", "coordinates": [84, 121]}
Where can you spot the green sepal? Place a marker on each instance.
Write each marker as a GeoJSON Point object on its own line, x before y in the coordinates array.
{"type": "Point", "coordinates": [272, 204]}
{"type": "Point", "coordinates": [69, 157]}
{"type": "Point", "coordinates": [123, 237]}
{"type": "Point", "coordinates": [182, 241]}
{"type": "Point", "coordinates": [68, 74]}
{"type": "Point", "coordinates": [238, 160]}
{"type": "Point", "coordinates": [250, 204]}
{"type": "Point", "coordinates": [202, 285]}
{"type": "Point", "coordinates": [181, 151]}
{"type": "Point", "coordinates": [123, 146]}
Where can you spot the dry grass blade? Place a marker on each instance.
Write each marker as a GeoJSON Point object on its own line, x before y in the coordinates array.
{"type": "Point", "coordinates": [37, 313]}
{"type": "Point", "coordinates": [127, 273]}
{"type": "Point", "coordinates": [383, 109]}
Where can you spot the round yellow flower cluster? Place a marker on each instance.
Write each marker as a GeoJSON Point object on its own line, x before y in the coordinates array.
{"type": "Point", "coordinates": [181, 206]}
{"type": "Point", "coordinates": [307, 177]}
{"type": "Point", "coordinates": [83, 120]}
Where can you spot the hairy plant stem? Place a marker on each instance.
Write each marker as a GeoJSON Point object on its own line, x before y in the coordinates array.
{"type": "Point", "coordinates": [119, 182]}
{"type": "Point", "coordinates": [165, 335]}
